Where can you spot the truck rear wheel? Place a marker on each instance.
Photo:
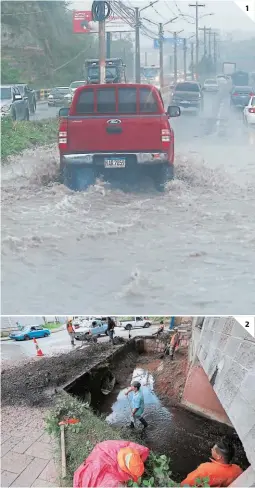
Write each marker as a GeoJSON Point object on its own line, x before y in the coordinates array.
{"type": "Point", "coordinates": [163, 174]}
{"type": "Point", "coordinates": [78, 178]}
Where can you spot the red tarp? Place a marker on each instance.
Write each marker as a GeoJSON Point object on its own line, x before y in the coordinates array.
{"type": "Point", "coordinates": [101, 468]}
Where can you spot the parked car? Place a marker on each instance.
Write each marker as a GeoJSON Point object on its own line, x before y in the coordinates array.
{"type": "Point", "coordinates": [13, 104]}
{"type": "Point", "coordinates": [188, 95]}
{"type": "Point", "coordinates": [249, 112]}
{"type": "Point", "coordinates": [30, 332]}
{"type": "Point", "coordinates": [211, 85]}
{"type": "Point", "coordinates": [123, 132]}
{"type": "Point", "coordinates": [240, 96]}
{"type": "Point", "coordinates": [57, 96]}
{"type": "Point", "coordinates": [135, 322]}
{"type": "Point", "coordinates": [27, 92]}
{"type": "Point", "coordinates": [95, 327]}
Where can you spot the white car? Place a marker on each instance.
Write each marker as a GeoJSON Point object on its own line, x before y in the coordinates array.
{"type": "Point", "coordinates": [211, 85]}
{"type": "Point", "coordinates": [222, 79]}
{"type": "Point", "coordinates": [249, 112]}
{"type": "Point", "coordinates": [135, 322]}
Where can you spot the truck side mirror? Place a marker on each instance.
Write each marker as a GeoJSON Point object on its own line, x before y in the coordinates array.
{"type": "Point", "coordinates": [173, 111]}
{"type": "Point", "coordinates": [63, 112]}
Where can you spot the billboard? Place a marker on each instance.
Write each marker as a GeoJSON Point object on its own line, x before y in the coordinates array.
{"type": "Point", "coordinates": [83, 22]}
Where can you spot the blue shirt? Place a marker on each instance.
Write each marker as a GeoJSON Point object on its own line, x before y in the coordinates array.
{"type": "Point", "coordinates": [138, 402]}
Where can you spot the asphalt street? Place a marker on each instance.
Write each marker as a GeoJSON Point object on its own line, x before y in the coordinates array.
{"type": "Point", "coordinates": [56, 343]}
{"type": "Point", "coordinates": [44, 112]}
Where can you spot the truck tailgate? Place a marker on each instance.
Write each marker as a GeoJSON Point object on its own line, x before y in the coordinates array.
{"type": "Point", "coordinates": [113, 133]}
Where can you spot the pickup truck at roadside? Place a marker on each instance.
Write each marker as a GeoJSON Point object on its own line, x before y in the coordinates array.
{"type": "Point", "coordinates": [119, 131]}
{"type": "Point", "coordinates": [135, 322]}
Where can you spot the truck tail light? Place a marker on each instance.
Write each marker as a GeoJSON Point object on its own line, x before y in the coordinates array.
{"type": "Point", "coordinates": [251, 110]}
{"type": "Point", "coordinates": [165, 135]}
{"type": "Point", "coordinates": [62, 134]}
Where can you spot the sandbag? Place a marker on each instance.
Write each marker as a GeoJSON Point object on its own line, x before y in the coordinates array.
{"type": "Point", "coordinates": [101, 468]}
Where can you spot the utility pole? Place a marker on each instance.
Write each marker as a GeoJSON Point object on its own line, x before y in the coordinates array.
{"type": "Point", "coordinates": [210, 44]}
{"type": "Point", "coordinates": [185, 58]}
{"type": "Point", "coordinates": [146, 58]}
{"type": "Point", "coordinates": [101, 33]}
{"type": "Point", "coordinates": [192, 59]}
{"type": "Point", "coordinates": [175, 57]}
{"type": "Point", "coordinates": [205, 48]}
{"type": "Point", "coordinates": [161, 55]}
{"type": "Point", "coordinates": [197, 6]}
{"type": "Point", "coordinates": [108, 44]}
{"type": "Point", "coordinates": [215, 51]}
{"type": "Point", "coordinates": [137, 46]}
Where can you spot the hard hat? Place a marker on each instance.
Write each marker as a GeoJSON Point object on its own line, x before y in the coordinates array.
{"type": "Point", "coordinates": [130, 462]}
{"type": "Point", "coordinates": [136, 384]}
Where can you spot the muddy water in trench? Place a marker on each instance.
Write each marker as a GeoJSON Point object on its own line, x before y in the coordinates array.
{"type": "Point", "coordinates": [183, 436]}
{"type": "Point", "coordinates": [132, 250]}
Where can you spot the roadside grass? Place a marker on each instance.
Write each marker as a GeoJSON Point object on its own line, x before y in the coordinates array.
{"type": "Point", "coordinates": [20, 135]}
{"type": "Point", "coordinates": [52, 325]}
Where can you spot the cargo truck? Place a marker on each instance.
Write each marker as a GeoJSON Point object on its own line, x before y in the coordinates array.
{"type": "Point", "coordinates": [228, 68]}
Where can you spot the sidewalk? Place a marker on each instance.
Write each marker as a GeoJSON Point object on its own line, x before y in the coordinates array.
{"type": "Point", "coordinates": [27, 452]}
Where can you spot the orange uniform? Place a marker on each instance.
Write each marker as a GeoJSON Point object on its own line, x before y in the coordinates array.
{"type": "Point", "coordinates": [219, 474]}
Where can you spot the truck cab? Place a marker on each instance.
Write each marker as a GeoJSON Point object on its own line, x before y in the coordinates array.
{"type": "Point", "coordinates": [114, 71]}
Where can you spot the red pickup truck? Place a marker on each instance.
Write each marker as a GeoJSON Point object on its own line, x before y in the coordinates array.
{"type": "Point", "coordinates": [116, 131]}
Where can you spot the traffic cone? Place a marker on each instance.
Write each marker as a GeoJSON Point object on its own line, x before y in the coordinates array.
{"type": "Point", "coordinates": [39, 352]}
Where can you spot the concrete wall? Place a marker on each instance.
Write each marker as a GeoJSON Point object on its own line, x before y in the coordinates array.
{"type": "Point", "coordinates": [226, 354]}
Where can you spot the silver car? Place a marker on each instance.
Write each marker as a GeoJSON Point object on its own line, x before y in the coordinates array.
{"type": "Point", "coordinates": [13, 104]}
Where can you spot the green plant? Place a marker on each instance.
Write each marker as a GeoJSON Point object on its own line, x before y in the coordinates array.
{"type": "Point", "coordinates": [65, 407]}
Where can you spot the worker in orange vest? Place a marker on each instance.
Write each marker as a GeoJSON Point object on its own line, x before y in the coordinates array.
{"type": "Point", "coordinates": [220, 471]}
{"type": "Point", "coordinates": [70, 330]}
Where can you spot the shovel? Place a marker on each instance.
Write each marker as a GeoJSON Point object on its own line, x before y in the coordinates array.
{"type": "Point", "coordinates": [134, 420]}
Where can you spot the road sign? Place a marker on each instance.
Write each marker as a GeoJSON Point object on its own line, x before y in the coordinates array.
{"type": "Point", "coordinates": [170, 41]}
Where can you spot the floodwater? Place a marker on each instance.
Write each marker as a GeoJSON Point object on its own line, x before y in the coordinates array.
{"type": "Point", "coordinates": [181, 435]}
{"type": "Point", "coordinates": [190, 250]}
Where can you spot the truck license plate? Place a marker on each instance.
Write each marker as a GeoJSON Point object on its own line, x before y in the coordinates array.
{"type": "Point", "coordinates": [114, 162]}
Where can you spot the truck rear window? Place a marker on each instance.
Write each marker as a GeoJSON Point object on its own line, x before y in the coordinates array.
{"type": "Point", "coordinates": [116, 101]}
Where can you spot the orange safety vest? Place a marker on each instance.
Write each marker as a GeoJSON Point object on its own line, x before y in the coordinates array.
{"type": "Point", "coordinates": [70, 328]}
{"type": "Point", "coordinates": [219, 474]}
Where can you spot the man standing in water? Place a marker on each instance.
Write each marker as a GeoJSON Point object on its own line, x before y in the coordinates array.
{"type": "Point", "coordinates": [220, 471]}
{"type": "Point", "coordinates": [110, 329]}
{"type": "Point", "coordinates": [137, 404]}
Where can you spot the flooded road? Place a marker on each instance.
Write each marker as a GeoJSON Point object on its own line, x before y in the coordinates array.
{"type": "Point", "coordinates": [190, 250]}
{"type": "Point", "coordinates": [181, 435]}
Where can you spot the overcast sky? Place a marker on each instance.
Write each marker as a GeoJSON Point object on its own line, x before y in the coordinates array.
{"type": "Point", "coordinates": [228, 15]}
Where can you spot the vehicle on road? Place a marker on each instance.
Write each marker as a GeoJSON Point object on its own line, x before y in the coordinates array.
{"type": "Point", "coordinates": [240, 96]}
{"type": "Point", "coordinates": [249, 112]}
{"type": "Point", "coordinates": [57, 96]}
{"type": "Point", "coordinates": [114, 71]}
{"type": "Point", "coordinates": [75, 84]}
{"type": "Point", "coordinates": [136, 322]}
{"type": "Point", "coordinates": [211, 85]}
{"type": "Point", "coordinates": [188, 95]}
{"type": "Point", "coordinates": [28, 93]}
{"type": "Point", "coordinates": [95, 327]}
{"type": "Point", "coordinates": [13, 104]}
{"type": "Point", "coordinates": [228, 68]}
{"type": "Point", "coordinates": [30, 332]}
{"type": "Point", "coordinates": [151, 75]}
{"type": "Point", "coordinates": [240, 78]}
{"type": "Point", "coordinates": [116, 131]}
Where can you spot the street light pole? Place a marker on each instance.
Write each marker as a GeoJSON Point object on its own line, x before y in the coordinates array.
{"type": "Point", "coordinates": [185, 58]}
{"type": "Point", "coordinates": [137, 46]}
{"type": "Point", "coordinates": [197, 5]}
{"type": "Point", "coordinates": [161, 55]}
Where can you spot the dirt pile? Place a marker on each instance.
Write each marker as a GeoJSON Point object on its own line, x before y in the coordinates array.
{"type": "Point", "coordinates": [35, 382]}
